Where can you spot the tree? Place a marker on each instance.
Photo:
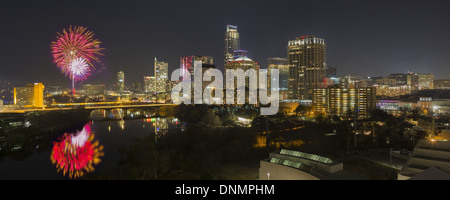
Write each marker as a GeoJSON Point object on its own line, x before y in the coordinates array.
{"type": "Point", "coordinates": [415, 114]}
{"type": "Point", "coordinates": [210, 119]}
{"type": "Point", "coordinates": [302, 109]}
{"type": "Point", "coordinates": [379, 115]}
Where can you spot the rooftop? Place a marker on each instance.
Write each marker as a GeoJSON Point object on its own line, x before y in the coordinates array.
{"type": "Point", "coordinates": [308, 156]}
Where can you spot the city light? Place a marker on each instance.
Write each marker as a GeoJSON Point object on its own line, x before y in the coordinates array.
{"type": "Point", "coordinates": [183, 99]}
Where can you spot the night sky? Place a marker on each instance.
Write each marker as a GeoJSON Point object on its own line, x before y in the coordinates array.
{"type": "Point", "coordinates": [365, 38]}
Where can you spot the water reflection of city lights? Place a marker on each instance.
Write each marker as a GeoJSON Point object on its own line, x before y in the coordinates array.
{"type": "Point", "coordinates": [75, 154]}
{"type": "Point", "coordinates": [122, 124]}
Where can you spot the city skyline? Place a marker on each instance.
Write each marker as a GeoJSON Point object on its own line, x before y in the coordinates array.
{"type": "Point", "coordinates": [406, 37]}
{"type": "Point", "coordinates": [225, 90]}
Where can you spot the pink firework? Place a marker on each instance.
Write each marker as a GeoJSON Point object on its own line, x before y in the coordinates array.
{"type": "Point", "coordinates": [73, 52]}
{"type": "Point", "coordinates": [77, 42]}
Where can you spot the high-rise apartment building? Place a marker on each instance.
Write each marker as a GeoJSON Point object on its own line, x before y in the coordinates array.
{"type": "Point", "coordinates": [232, 42]}
{"type": "Point", "coordinates": [366, 100]}
{"type": "Point", "coordinates": [149, 84]}
{"type": "Point", "coordinates": [161, 76]}
{"type": "Point", "coordinates": [30, 96]}
{"type": "Point", "coordinates": [306, 57]}
{"type": "Point", "coordinates": [339, 101]}
{"type": "Point", "coordinates": [412, 80]}
{"type": "Point", "coordinates": [121, 81]}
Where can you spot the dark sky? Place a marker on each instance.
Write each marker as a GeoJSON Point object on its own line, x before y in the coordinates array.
{"type": "Point", "coordinates": [366, 38]}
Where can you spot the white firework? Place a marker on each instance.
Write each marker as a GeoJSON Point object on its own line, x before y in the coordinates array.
{"type": "Point", "coordinates": [79, 68]}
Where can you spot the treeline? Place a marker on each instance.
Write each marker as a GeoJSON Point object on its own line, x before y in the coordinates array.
{"type": "Point", "coordinates": [209, 115]}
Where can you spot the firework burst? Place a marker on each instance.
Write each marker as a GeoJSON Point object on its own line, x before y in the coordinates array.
{"type": "Point", "coordinates": [77, 42]}
{"type": "Point", "coordinates": [78, 69]}
{"type": "Point", "coordinates": [74, 51]}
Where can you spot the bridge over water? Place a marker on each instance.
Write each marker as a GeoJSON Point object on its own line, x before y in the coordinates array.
{"type": "Point", "coordinates": [88, 106]}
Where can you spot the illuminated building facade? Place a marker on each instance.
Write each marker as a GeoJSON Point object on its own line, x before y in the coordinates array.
{"type": "Point", "coordinates": [400, 79]}
{"type": "Point", "coordinates": [336, 100]}
{"type": "Point", "coordinates": [23, 96]}
{"type": "Point", "coordinates": [121, 81]}
{"type": "Point", "coordinates": [320, 101]}
{"type": "Point", "coordinates": [349, 81]}
{"type": "Point", "coordinates": [412, 80]}
{"type": "Point", "coordinates": [93, 90]}
{"type": "Point", "coordinates": [366, 100]}
{"type": "Point", "coordinates": [149, 84]}
{"type": "Point", "coordinates": [387, 81]}
{"type": "Point", "coordinates": [425, 81]}
{"type": "Point", "coordinates": [420, 81]}
{"type": "Point", "coordinates": [441, 84]}
{"type": "Point", "coordinates": [239, 53]}
{"type": "Point", "coordinates": [232, 42]}
{"type": "Point", "coordinates": [395, 91]}
{"type": "Point", "coordinates": [161, 76]}
{"type": "Point", "coordinates": [30, 96]}
{"type": "Point", "coordinates": [306, 57]}
{"type": "Point", "coordinates": [188, 64]}
{"type": "Point", "coordinates": [425, 103]}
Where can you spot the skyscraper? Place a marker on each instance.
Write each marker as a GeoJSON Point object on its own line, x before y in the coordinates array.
{"type": "Point", "coordinates": [121, 81]}
{"type": "Point", "coordinates": [231, 42]}
{"type": "Point", "coordinates": [306, 57]}
{"type": "Point", "coordinates": [161, 76]}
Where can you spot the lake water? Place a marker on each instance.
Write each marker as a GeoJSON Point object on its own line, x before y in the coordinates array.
{"type": "Point", "coordinates": [93, 149]}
